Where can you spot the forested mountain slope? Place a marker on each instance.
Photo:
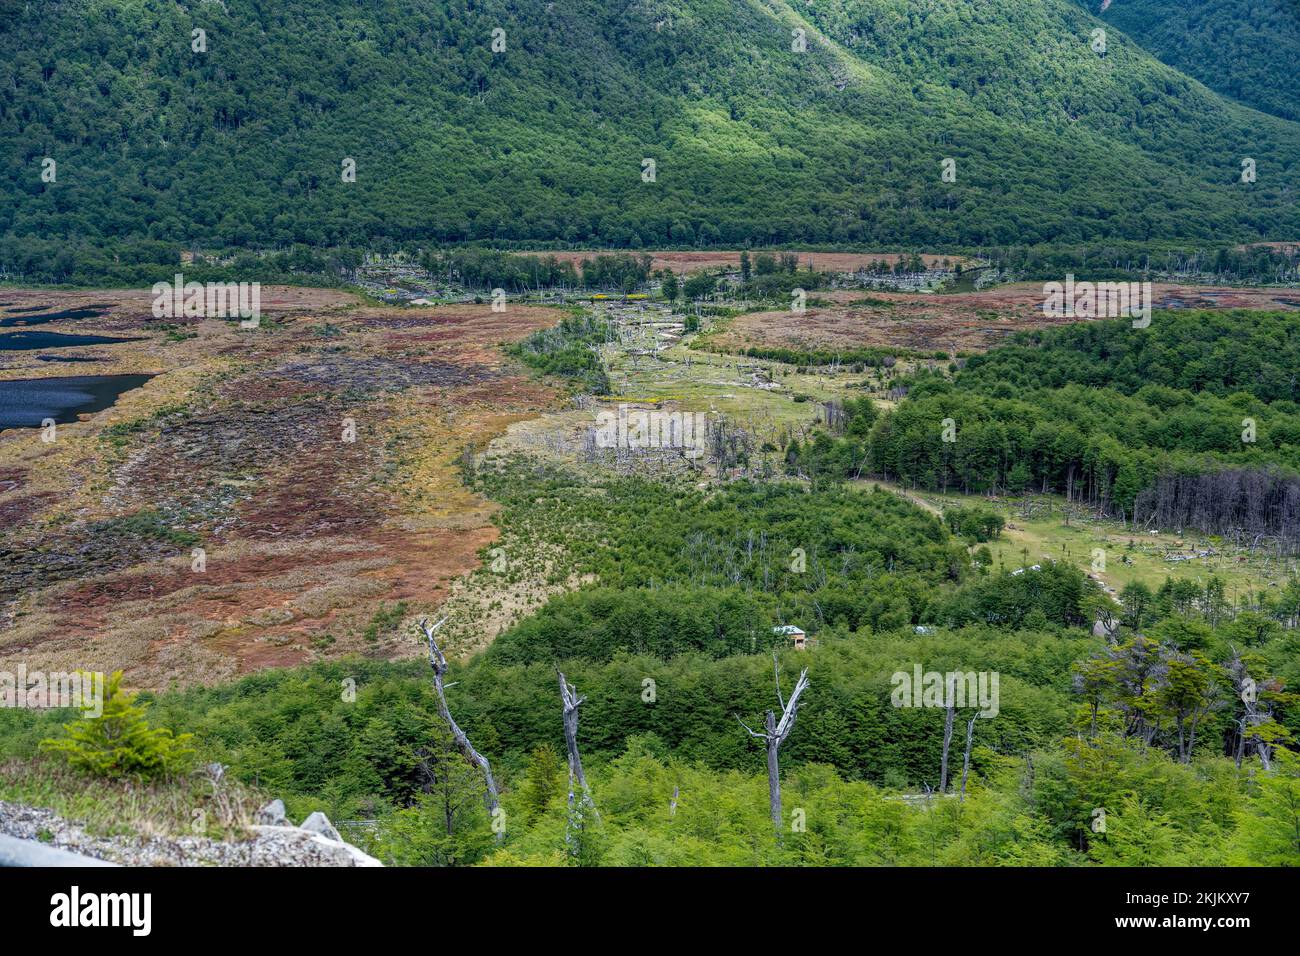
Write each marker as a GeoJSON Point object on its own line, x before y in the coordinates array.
{"type": "Point", "coordinates": [1246, 51]}
{"type": "Point", "coordinates": [243, 143]}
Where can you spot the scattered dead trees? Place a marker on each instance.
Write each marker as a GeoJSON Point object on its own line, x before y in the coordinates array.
{"type": "Point", "coordinates": [581, 805]}
{"type": "Point", "coordinates": [834, 416]}
{"type": "Point", "coordinates": [729, 445]}
{"type": "Point", "coordinates": [949, 723]}
{"type": "Point", "coordinates": [437, 661]}
{"type": "Point", "coordinates": [774, 734]}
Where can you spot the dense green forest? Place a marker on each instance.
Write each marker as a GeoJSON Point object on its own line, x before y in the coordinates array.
{"type": "Point", "coordinates": [1233, 48]}
{"type": "Point", "coordinates": [1191, 422]}
{"type": "Point", "coordinates": [242, 143]}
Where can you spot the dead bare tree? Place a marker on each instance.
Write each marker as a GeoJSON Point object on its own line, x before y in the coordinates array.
{"type": "Point", "coordinates": [950, 713]}
{"type": "Point", "coordinates": [580, 795]}
{"type": "Point", "coordinates": [774, 734]}
{"type": "Point", "coordinates": [965, 763]}
{"type": "Point", "coordinates": [492, 799]}
{"type": "Point", "coordinates": [1253, 717]}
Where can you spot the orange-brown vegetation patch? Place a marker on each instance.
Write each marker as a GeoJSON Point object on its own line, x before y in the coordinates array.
{"type": "Point", "coordinates": [957, 322]}
{"type": "Point", "coordinates": [315, 461]}
{"type": "Point", "coordinates": [461, 324]}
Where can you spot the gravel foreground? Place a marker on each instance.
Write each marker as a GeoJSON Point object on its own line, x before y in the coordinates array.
{"type": "Point", "coordinates": [269, 845]}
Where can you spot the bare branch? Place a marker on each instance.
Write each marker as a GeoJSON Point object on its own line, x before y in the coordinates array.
{"type": "Point", "coordinates": [775, 734]}
{"type": "Point", "coordinates": [438, 661]}
{"type": "Point", "coordinates": [571, 700]}
{"type": "Point", "coordinates": [790, 710]}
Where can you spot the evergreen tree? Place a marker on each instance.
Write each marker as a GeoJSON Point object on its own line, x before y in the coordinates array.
{"type": "Point", "coordinates": [120, 742]}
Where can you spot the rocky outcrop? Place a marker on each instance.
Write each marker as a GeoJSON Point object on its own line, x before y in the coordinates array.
{"type": "Point", "coordinates": [273, 815]}
{"type": "Point", "coordinates": [270, 844]}
{"type": "Point", "coordinates": [319, 823]}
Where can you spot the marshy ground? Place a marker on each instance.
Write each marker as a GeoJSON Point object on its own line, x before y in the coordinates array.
{"type": "Point", "coordinates": [313, 460]}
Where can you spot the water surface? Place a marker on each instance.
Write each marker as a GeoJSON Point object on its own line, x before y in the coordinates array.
{"type": "Point", "coordinates": [63, 315]}
{"type": "Point", "coordinates": [25, 403]}
{"type": "Point", "coordinates": [26, 341]}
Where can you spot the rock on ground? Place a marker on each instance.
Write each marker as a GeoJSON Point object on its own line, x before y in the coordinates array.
{"type": "Point", "coordinates": [269, 845]}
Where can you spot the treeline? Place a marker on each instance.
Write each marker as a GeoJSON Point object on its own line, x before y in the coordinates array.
{"type": "Point", "coordinates": [1222, 352]}
{"type": "Point", "coordinates": [854, 358]}
{"type": "Point", "coordinates": [142, 262]}
{"type": "Point", "coordinates": [1258, 263]}
{"type": "Point", "coordinates": [1094, 445]}
{"type": "Point", "coordinates": [490, 269]}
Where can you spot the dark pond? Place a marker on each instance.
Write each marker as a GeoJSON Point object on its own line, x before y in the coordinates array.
{"type": "Point", "coordinates": [25, 403]}
{"type": "Point", "coordinates": [66, 314]}
{"type": "Point", "coordinates": [25, 341]}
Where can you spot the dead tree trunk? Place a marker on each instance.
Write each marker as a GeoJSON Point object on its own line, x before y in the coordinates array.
{"type": "Point", "coordinates": [947, 737]}
{"type": "Point", "coordinates": [579, 793]}
{"type": "Point", "coordinates": [569, 695]}
{"type": "Point", "coordinates": [439, 664]}
{"type": "Point", "coordinates": [773, 736]}
{"type": "Point", "coordinates": [965, 763]}
{"type": "Point", "coordinates": [773, 769]}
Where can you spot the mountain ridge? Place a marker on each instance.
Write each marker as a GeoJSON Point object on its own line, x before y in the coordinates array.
{"type": "Point", "coordinates": [242, 145]}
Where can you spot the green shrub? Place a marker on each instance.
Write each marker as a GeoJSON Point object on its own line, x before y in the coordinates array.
{"type": "Point", "coordinates": [120, 742]}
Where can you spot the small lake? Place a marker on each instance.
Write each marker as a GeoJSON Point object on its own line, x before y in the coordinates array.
{"type": "Point", "coordinates": [25, 403]}
{"type": "Point", "coordinates": [26, 341]}
{"type": "Point", "coordinates": [63, 315]}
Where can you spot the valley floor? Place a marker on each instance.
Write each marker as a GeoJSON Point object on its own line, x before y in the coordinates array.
{"type": "Point", "coordinates": [218, 520]}
{"type": "Point", "coordinates": [268, 496]}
